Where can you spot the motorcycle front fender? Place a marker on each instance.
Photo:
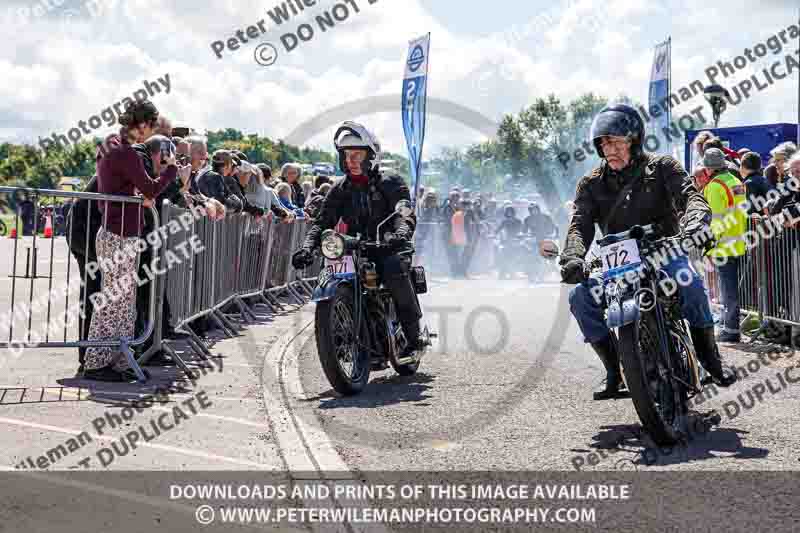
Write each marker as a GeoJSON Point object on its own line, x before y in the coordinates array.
{"type": "Point", "coordinates": [622, 313]}
{"type": "Point", "coordinates": [326, 291]}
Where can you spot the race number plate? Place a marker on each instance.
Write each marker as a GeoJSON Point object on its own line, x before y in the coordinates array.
{"type": "Point", "coordinates": [619, 258]}
{"type": "Point", "coordinates": [344, 265]}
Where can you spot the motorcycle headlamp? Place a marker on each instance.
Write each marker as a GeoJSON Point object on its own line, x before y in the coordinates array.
{"type": "Point", "coordinates": [332, 245]}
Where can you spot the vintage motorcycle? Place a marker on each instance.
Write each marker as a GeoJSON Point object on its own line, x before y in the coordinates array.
{"type": "Point", "coordinates": [518, 253]}
{"type": "Point", "coordinates": [356, 325]}
{"type": "Point", "coordinates": [659, 362]}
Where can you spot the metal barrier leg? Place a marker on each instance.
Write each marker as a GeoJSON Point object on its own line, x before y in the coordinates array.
{"type": "Point", "coordinates": [294, 294]}
{"type": "Point", "coordinates": [220, 324]}
{"type": "Point", "coordinates": [178, 361]}
{"type": "Point", "coordinates": [245, 310]}
{"type": "Point", "coordinates": [272, 299]}
{"type": "Point", "coordinates": [129, 355]}
{"type": "Point", "coordinates": [306, 287]}
{"type": "Point", "coordinates": [228, 324]}
{"type": "Point", "coordinates": [267, 303]}
{"type": "Point", "coordinates": [198, 342]}
{"type": "Point", "coordinates": [198, 349]}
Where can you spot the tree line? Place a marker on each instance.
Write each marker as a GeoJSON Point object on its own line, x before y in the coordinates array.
{"type": "Point", "coordinates": [522, 158]}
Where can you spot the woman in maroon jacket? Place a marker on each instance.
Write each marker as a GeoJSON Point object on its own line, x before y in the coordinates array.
{"type": "Point", "coordinates": [121, 172]}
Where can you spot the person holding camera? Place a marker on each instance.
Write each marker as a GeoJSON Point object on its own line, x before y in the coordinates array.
{"type": "Point", "coordinates": [122, 172]}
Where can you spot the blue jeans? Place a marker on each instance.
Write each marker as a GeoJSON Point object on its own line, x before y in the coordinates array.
{"type": "Point", "coordinates": [728, 275]}
{"type": "Point", "coordinates": [694, 301]}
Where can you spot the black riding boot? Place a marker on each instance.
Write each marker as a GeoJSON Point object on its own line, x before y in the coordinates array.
{"type": "Point", "coordinates": [708, 354]}
{"type": "Point", "coordinates": [398, 281]}
{"type": "Point", "coordinates": [609, 355]}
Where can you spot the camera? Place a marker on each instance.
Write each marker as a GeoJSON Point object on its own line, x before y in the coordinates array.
{"type": "Point", "coordinates": [167, 149]}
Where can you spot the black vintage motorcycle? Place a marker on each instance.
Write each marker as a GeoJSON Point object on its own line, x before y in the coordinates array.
{"type": "Point", "coordinates": [659, 362]}
{"type": "Point", "coordinates": [356, 324]}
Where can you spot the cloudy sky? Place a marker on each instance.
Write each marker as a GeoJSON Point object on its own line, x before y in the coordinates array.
{"type": "Point", "coordinates": [66, 60]}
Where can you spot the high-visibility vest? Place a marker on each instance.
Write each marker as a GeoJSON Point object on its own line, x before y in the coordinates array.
{"type": "Point", "coordinates": [728, 200]}
{"type": "Point", "coordinates": [458, 235]}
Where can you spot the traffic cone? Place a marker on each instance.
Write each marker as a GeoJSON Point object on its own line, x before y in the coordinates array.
{"type": "Point", "coordinates": [48, 227]}
{"type": "Point", "coordinates": [13, 233]}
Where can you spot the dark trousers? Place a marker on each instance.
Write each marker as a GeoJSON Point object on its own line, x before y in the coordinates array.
{"type": "Point", "coordinates": [143, 302]}
{"type": "Point", "coordinates": [728, 275]}
{"type": "Point", "coordinates": [394, 270]}
{"type": "Point", "coordinates": [92, 286]}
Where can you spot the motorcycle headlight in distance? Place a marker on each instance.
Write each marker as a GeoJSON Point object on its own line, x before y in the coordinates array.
{"type": "Point", "coordinates": [332, 245]}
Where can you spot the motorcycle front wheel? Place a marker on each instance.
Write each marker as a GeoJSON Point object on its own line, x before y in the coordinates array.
{"type": "Point", "coordinates": [659, 400]}
{"type": "Point", "coordinates": [345, 365]}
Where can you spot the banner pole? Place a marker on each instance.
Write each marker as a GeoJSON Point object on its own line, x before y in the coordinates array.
{"type": "Point", "coordinates": [424, 126]}
{"type": "Point", "coordinates": [669, 90]}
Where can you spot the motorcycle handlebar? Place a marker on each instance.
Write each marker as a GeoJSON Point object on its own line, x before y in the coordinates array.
{"type": "Point", "coordinates": [636, 232]}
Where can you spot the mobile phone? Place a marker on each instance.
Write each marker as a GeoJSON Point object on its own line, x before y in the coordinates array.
{"type": "Point", "coordinates": [180, 132]}
{"type": "Point", "coordinates": [167, 149]}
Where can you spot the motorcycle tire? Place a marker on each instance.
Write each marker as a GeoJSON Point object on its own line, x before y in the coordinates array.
{"type": "Point", "coordinates": [329, 339]}
{"type": "Point", "coordinates": [661, 431]}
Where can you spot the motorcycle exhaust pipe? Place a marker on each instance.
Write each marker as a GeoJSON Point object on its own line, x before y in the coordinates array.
{"type": "Point", "coordinates": [410, 360]}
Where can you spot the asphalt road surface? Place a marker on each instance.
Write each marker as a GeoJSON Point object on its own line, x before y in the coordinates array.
{"type": "Point", "coordinates": [507, 387]}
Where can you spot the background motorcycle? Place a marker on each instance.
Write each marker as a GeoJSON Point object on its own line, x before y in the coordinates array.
{"type": "Point", "coordinates": [356, 325]}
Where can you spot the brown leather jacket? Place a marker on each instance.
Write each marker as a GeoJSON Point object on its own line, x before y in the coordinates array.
{"type": "Point", "coordinates": [663, 193]}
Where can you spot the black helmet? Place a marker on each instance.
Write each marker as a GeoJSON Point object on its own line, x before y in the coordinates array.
{"type": "Point", "coordinates": [618, 120]}
{"type": "Point", "coordinates": [509, 212]}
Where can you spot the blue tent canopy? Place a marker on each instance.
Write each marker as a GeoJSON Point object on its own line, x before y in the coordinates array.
{"type": "Point", "coordinates": [761, 139]}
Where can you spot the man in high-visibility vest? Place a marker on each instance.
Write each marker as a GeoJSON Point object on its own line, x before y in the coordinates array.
{"type": "Point", "coordinates": [727, 197]}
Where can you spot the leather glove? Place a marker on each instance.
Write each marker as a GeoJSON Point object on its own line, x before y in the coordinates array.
{"type": "Point", "coordinates": [701, 235]}
{"type": "Point", "coordinates": [302, 258]}
{"type": "Point", "coordinates": [396, 242]}
{"type": "Point", "coordinates": [573, 271]}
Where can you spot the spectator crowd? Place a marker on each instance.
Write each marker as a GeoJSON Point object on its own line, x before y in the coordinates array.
{"type": "Point", "coordinates": [768, 189]}
{"type": "Point", "coordinates": [145, 159]}
{"type": "Point", "coordinates": [468, 227]}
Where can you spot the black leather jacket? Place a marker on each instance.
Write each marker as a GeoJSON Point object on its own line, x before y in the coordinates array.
{"type": "Point", "coordinates": [213, 185]}
{"type": "Point", "coordinates": [663, 193]}
{"type": "Point", "coordinates": [362, 208]}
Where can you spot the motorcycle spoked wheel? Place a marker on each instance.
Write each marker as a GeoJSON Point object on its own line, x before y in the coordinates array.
{"type": "Point", "coordinates": [345, 365]}
{"type": "Point", "coordinates": [659, 402]}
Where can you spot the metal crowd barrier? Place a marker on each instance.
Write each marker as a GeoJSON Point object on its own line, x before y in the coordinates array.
{"type": "Point", "coordinates": [769, 276]}
{"type": "Point", "coordinates": [53, 317]}
{"type": "Point", "coordinates": [228, 261]}
{"type": "Point", "coordinates": [242, 258]}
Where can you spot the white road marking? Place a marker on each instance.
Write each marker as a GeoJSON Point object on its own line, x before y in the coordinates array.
{"type": "Point", "coordinates": [164, 447]}
{"type": "Point", "coordinates": [304, 445]}
{"type": "Point", "coordinates": [86, 393]}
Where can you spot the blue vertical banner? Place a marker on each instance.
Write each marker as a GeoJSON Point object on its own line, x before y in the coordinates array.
{"type": "Point", "coordinates": [659, 92]}
{"type": "Point", "coordinates": [415, 92]}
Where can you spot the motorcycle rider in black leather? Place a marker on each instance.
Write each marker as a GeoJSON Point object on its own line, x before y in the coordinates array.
{"type": "Point", "coordinates": [539, 224]}
{"type": "Point", "coordinates": [511, 226]}
{"type": "Point", "coordinates": [363, 199]}
{"type": "Point", "coordinates": [631, 187]}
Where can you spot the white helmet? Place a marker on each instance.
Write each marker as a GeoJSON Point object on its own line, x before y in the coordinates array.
{"type": "Point", "coordinates": [353, 135]}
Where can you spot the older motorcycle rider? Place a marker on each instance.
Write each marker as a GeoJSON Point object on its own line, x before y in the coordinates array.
{"type": "Point", "coordinates": [631, 187]}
